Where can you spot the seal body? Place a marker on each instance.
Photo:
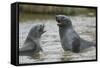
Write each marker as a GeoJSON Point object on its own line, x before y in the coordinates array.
{"type": "Point", "coordinates": [70, 40]}
{"type": "Point", "coordinates": [32, 42]}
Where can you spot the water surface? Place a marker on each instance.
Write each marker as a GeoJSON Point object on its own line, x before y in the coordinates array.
{"type": "Point", "coordinates": [50, 41]}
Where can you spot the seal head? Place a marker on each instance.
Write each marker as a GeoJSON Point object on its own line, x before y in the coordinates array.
{"type": "Point", "coordinates": [37, 31]}
{"type": "Point", "coordinates": [63, 20]}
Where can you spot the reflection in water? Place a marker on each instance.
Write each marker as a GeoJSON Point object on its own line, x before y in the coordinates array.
{"type": "Point", "coordinates": [50, 41]}
{"type": "Point", "coordinates": [66, 56]}
{"type": "Point", "coordinates": [38, 56]}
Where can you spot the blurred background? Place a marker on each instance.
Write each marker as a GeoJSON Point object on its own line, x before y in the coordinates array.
{"type": "Point", "coordinates": [26, 11]}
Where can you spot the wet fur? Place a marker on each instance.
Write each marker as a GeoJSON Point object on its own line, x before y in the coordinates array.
{"type": "Point", "coordinates": [70, 40]}
{"type": "Point", "coordinates": [32, 43]}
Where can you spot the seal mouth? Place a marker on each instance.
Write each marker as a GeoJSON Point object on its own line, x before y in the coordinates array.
{"type": "Point", "coordinates": [59, 21]}
{"type": "Point", "coordinates": [59, 24]}
{"type": "Point", "coordinates": [44, 31]}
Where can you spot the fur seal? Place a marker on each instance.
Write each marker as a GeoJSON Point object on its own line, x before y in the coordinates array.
{"type": "Point", "coordinates": [70, 40]}
{"type": "Point", "coordinates": [32, 42]}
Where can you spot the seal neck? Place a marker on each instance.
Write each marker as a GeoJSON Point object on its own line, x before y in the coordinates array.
{"type": "Point", "coordinates": [64, 29]}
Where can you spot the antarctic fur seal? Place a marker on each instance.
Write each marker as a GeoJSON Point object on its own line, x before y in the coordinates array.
{"type": "Point", "coordinates": [70, 40]}
{"type": "Point", "coordinates": [32, 42]}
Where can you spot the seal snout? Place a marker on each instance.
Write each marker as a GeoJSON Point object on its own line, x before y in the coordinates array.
{"type": "Point", "coordinates": [63, 20]}
{"type": "Point", "coordinates": [42, 28]}
{"type": "Point", "coordinates": [59, 20]}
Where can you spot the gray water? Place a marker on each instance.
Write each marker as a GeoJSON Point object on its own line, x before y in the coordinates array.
{"type": "Point", "coordinates": [50, 41]}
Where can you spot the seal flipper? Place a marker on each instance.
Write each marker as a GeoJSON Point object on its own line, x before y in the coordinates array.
{"type": "Point", "coordinates": [27, 50]}
{"type": "Point", "coordinates": [86, 44]}
{"type": "Point", "coordinates": [76, 45]}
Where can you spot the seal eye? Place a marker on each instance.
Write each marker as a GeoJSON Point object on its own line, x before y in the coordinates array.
{"type": "Point", "coordinates": [41, 29]}
{"type": "Point", "coordinates": [63, 18]}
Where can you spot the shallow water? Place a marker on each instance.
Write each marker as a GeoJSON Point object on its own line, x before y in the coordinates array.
{"type": "Point", "coordinates": [50, 41]}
